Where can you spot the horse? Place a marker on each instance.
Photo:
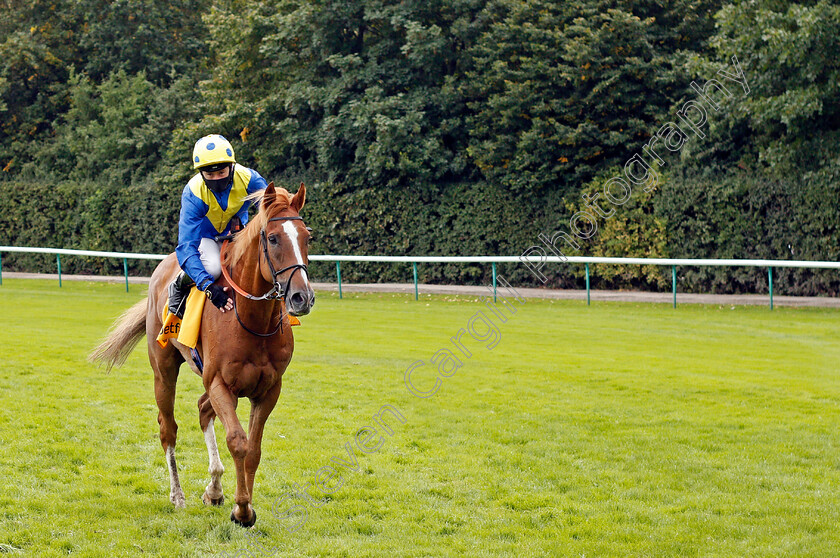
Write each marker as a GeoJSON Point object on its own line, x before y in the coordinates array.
{"type": "Point", "coordinates": [244, 352]}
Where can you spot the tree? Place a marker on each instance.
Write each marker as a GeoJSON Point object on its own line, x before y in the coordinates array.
{"type": "Point", "coordinates": [117, 131]}
{"type": "Point", "coordinates": [356, 93]}
{"type": "Point", "coordinates": [43, 44]}
{"type": "Point", "coordinates": [559, 91]}
{"type": "Point", "coordinates": [790, 119]}
{"type": "Point", "coordinates": [164, 40]}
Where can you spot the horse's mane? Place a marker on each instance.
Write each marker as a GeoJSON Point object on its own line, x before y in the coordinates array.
{"type": "Point", "coordinates": [247, 236]}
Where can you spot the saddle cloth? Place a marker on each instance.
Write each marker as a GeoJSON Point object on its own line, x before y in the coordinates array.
{"type": "Point", "coordinates": [185, 330]}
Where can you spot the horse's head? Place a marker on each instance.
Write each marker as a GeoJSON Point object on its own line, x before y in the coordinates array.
{"type": "Point", "coordinates": [285, 243]}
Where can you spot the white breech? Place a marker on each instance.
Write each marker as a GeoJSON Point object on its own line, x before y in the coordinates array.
{"type": "Point", "coordinates": [211, 256]}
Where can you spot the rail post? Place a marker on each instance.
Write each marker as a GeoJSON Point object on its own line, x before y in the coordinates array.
{"type": "Point", "coordinates": [125, 268]}
{"type": "Point", "coordinates": [1, 268]}
{"type": "Point", "coordinates": [338, 273]}
{"type": "Point", "coordinates": [494, 282]}
{"type": "Point", "coordinates": [770, 276]}
{"type": "Point", "coordinates": [674, 283]}
{"type": "Point", "coordinates": [587, 283]}
{"type": "Point", "coordinates": [58, 263]}
{"type": "Point", "coordinates": [416, 294]}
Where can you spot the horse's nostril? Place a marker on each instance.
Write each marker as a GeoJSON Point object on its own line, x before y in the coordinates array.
{"type": "Point", "coordinates": [296, 300]}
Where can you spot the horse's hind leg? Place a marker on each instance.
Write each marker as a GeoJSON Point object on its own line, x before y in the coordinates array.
{"type": "Point", "coordinates": [213, 494]}
{"type": "Point", "coordinates": [166, 364]}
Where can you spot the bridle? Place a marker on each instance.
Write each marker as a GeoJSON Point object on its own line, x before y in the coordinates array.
{"type": "Point", "coordinates": [278, 290]}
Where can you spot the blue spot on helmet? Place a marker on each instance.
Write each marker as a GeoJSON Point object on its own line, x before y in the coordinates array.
{"type": "Point", "coordinates": [197, 159]}
{"type": "Point", "coordinates": [229, 152]}
{"type": "Point", "coordinates": [211, 146]}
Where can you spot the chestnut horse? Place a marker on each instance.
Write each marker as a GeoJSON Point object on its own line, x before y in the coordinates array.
{"type": "Point", "coordinates": [244, 352]}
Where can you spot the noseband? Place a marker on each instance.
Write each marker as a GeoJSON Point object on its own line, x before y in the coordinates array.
{"type": "Point", "coordinates": [278, 291]}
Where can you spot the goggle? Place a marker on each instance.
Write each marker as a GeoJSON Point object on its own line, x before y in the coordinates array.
{"type": "Point", "coordinates": [214, 168]}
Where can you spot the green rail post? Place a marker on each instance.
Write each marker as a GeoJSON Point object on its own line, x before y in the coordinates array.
{"type": "Point", "coordinates": [416, 295]}
{"type": "Point", "coordinates": [770, 275]}
{"type": "Point", "coordinates": [125, 268]}
{"type": "Point", "coordinates": [338, 272]}
{"type": "Point", "coordinates": [674, 283]}
{"type": "Point", "coordinates": [587, 283]}
{"type": "Point", "coordinates": [58, 262]}
{"type": "Point", "coordinates": [494, 282]}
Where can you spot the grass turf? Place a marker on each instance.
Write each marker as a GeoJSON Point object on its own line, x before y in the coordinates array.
{"type": "Point", "coordinates": [616, 430]}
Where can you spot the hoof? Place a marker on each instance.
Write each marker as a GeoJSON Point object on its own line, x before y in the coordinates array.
{"type": "Point", "coordinates": [244, 523]}
{"type": "Point", "coordinates": [178, 500]}
{"type": "Point", "coordinates": [213, 501]}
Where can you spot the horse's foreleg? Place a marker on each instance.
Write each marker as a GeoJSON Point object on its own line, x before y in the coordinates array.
{"type": "Point", "coordinates": [256, 425]}
{"type": "Point", "coordinates": [224, 403]}
{"type": "Point", "coordinates": [213, 494]}
{"type": "Point", "coordinates": [165, 397]}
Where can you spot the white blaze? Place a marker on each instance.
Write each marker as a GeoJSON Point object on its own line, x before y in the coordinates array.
{"type": "Point", "coordinates": [292, 232]}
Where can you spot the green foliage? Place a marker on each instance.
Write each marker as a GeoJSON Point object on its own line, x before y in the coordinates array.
{"type": "Point", "coordinates": [163, 40]}
{"type": "Point", "coordinates": [631, 230]}
{"type": "Point", "coordinates": [463, 219]}
{"type": "Point", "coordinates": [357, 94]}
{"type": "Point", "coordinates": [544, 92]}
{"type": "Point", "coordinates": [88, 216]}
{"type": "Point", "coordinates": [789, 51]}
{"type": "Point", "coordinates": [444, 127]}
{"type": "Point", "coordinates": [746, 216]}
{"type": "Point", "coordinates": [48, 50]}
{"type": "Point", "coordinates": [561, 91]}
{"type": "Point", "coordinates": [34, 71]}
{"type": "Point", "coordinates": [115, 132]}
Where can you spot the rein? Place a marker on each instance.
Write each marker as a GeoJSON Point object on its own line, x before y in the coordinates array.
{"type": "Point", "coordinates": [277, 292]}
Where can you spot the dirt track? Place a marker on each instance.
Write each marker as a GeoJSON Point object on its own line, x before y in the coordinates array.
{"type": "Point", "coordinates": [595, 296]}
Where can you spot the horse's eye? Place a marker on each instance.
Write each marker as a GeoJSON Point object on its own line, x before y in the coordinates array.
{"type": "Point", "coordinates": [272, 239]}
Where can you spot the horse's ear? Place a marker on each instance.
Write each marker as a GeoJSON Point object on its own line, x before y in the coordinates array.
{"type": "Point", "coordinates": [268, 196]}
{"type": "Point", "coordinates": [299, 198]}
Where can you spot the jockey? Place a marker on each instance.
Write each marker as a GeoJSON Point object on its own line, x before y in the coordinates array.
{"type": "Point", "coordinates": [212, 204]}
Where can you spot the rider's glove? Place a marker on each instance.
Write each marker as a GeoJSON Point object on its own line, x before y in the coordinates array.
{"type": "Point", "coordinates": [217, 295]}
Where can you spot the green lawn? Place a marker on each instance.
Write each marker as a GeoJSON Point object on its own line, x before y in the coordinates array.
{"type": "Point", "coordinates": [619, 429]}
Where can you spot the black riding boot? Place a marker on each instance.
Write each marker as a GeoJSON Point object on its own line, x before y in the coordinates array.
{"type": "Point", "coordinates": [178, 290]}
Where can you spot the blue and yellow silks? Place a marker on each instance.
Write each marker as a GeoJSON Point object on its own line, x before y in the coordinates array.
{"type": "Point", "coordinates": [205, 214]}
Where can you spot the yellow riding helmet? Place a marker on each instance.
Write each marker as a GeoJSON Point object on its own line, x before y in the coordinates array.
{"type": "Point", "coordinates": [212, 150]}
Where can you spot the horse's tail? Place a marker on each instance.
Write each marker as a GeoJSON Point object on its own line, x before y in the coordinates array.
{"type": "Point", "coordinates": [127, 330]}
